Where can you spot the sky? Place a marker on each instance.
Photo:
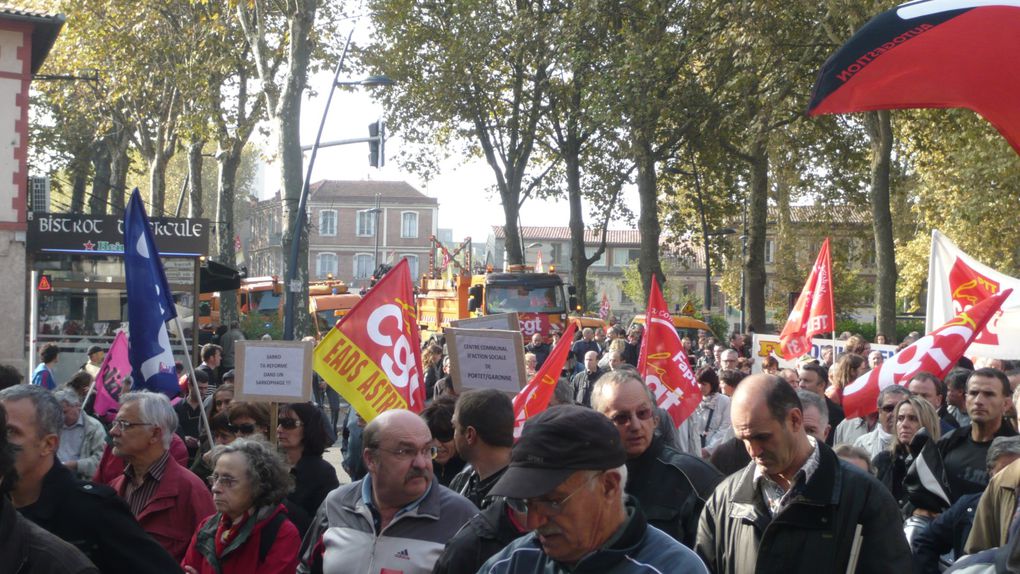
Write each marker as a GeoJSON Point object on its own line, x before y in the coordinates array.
{"type": "Point", "coordinates": [468, 204]}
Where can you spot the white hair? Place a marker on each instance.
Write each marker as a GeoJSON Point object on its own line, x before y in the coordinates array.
{"type": "Point", "coordinates": [622, 472]}
{"type": "Point", "coordinates": [154, 409]}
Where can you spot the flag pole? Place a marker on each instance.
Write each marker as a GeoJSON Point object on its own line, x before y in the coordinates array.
{"type": "Point", "coordinates": [92, 387]}
{"type": "Point", "coordinates": [189, 364]}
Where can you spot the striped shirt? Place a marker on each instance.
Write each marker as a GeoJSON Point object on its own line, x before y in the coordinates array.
{"type": "Point", "coordinates": [138, 496]}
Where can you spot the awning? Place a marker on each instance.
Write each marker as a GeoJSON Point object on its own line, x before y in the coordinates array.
{"type": "Point", "coordinates": [218, 277]}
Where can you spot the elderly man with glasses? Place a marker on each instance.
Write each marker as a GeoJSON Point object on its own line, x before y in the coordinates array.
{"type": "Point", "coordinates": [167, 499]}
{"type": "Point", "coordinates": [397, 518]}
{"type": "Point", "coordinates": [671, 487]}
{"type": "Point", "coordinates": [568, 473]}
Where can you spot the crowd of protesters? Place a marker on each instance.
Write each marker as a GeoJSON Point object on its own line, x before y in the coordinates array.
{"type": "Point", "coordinates": [767, 475]}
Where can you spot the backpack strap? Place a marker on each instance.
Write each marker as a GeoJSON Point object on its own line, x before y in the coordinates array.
{"type": "Point", "coordinates": [268, 535]}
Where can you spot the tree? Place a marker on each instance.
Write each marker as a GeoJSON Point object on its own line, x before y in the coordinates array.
{"type": "Point", "coordinates": [469, 73]}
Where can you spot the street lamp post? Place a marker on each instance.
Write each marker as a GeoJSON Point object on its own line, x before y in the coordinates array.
{"type": "Point", "coordinates": [299, 220]}
{"type": "Point", "coordinates": [375, 231]}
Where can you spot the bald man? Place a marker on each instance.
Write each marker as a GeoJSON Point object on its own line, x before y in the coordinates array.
{"type": "Point", "coordinates": [397, 518]}
{"type": "Point", "coordinates": [795, 495]}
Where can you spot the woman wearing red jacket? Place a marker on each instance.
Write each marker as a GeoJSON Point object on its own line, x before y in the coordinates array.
{"type": "Point", "coordinates": [250, 531]}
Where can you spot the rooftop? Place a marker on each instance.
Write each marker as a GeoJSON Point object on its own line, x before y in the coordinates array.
{"type": "Point", "coordinates": [613, 237]}
{"type": "Point", "coordinates": [46, 27]}
{"type": "Point", "coordinates": [366, 191]}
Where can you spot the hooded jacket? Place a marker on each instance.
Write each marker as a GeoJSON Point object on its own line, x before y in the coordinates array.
{"type": "Point", "coordinates": [812, 533]}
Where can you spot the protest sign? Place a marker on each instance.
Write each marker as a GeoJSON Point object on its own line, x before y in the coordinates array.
{"type": "Point", "coordinates": [273, 371]}
{"type": "Point", "coordinates": [499, 321]}
{"type": "Point", "coordinates": [765, 345]}
{"type": "Point", "coordinates": [486, 359]}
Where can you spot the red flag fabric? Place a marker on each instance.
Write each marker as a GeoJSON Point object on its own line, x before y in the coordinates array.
{"type": "Point", "coordinates": [534, 398]}
{"type": "Point", "coordinates": [377, 341]}
{"type": "Point", "coordinates": [929, 54]}
{"type": "Point", "coordinates": [935, 353]}
{"type": "Point", "coordinates": [663, 362]}
{"type": "Point", "coordinates": [814, 312]}
{"type": "Point", "coordinates": [109, 381]}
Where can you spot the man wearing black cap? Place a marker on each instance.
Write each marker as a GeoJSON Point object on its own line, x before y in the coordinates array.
{"type": "Point", "coordinates": [568, 472]}
{"type": "Point", "coordinates": [671, 487]}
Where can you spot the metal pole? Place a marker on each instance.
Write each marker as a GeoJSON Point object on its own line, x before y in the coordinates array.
{"type": "Point", "coordinates": [743, 256]}
{"type": "Point", "coordinates": [295, 241]}
{"type": "Point", "coordinates": [33, 321]}
{"type": "Point", "coordinates": [189, 364]}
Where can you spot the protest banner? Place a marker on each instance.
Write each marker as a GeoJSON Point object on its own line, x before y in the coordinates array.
{"type": "Point", "coordinates": [486, 359]}
{"type": "Point", "coordinates": [765, 345]}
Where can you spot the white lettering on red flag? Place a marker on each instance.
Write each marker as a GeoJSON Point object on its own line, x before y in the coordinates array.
{"type": "Point", "coordinates": [814, 312]}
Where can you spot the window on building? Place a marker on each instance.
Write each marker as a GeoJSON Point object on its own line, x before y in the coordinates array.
{"type": "Point", "coordinates": [412, 265]}
{"type": "Point", "coordinates": [770, 251]}
{"type": "Point", "coordinates": [366, 223]}
{"type": "Point", "coordinates": [327, 222]}
{"type": "Point", "coordinates": [325, 264]}
{"type": "Point", "coordinates": [364, 265]}
{"type": "Point", "coordinates": [409, 225]}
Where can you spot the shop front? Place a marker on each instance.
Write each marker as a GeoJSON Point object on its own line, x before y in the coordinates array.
{"type": "Point", "coordinates": [77, 295]}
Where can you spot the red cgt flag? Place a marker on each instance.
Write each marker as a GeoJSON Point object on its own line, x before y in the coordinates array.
{"type": "Point", "coordinates": [373, 355]}
{"type": "Point", "coordinates": [534, 398]}
{"type": "Point", "coordinates": [935, 353]}
{"type": "Point", "coordinates": [814, 312]}
{"type": "Point", "coordinates": [663, 361]}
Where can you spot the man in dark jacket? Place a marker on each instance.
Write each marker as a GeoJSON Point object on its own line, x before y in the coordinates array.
{"type": "Point", "coordinates": [584, 381]}
{"type": "Point", "coordinates": [487, 533]}
{"type": "Point", "coordinates": [568, 472]}
{"type": "Point", "coordinates": [90, 516]}
{"type": "Point", "coordinates": [671, 487]}
{"type": "Point", "coordinates": [24, 547]}
{"type": "Point", "coordinates": [483, 430]}
{"type": "Point", "coordinates": [797, 502]}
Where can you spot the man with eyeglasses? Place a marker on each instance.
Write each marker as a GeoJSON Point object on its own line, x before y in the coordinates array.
{"type": "Point", "coordinates": [568, 474]}
{"type": "Point", "coordinates": [671, 487]}
{"type": "Point", "coordinates": [168, 500]}
{"type": "Point", "coordinates": [397, 518]}
{"type": "Point", "coordinates": [90, 516]}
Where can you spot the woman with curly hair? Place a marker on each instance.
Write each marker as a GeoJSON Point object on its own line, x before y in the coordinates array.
{"type": "Point", "coordinates": [250, 531]}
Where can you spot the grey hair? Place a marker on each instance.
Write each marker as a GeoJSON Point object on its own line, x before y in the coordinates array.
{"type": "Point", "coordinates": [268, 474]}
{"type": "Point", "coordinates": [154, 409]}
{"type": "Point", "coordinates": [620, 470]}
{"type": "Point", "coordinates": [892, 390]}
{"type": "Point", "coordinates": [49, 415]}
{"type": "Point", "coordinates": [67, 397]}
{"type": "Point", "coordinates": [1002, 445]}
{"type": "Point", "coordinates": [807, 398]}
{"type": "Point", "coordinates": [564, 392]}
{"type": "Point", "coordinates": [614, 378]}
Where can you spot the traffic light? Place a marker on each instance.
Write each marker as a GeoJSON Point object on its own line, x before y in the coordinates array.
{"type": "Point", "coordinates": [377, 143]}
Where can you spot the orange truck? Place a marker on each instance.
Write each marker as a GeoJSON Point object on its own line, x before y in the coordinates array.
{"type": "Point", "coordinates": [539, 299]}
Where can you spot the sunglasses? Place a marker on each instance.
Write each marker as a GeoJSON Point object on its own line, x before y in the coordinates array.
{"type": "Point", "coordinates": [243, 429]}
{"type": "Point", "coordinates": [289, 423]}
{"type": "Point", "coordinates": [622, 419]}
{"type": "Point", "coordinates": [888, 408]}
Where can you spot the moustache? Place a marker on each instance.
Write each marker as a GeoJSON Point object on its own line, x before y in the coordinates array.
{"type": "Point", "coordinates": [548, 531]}
{"type": "Point", "coordinates": [416, 473]}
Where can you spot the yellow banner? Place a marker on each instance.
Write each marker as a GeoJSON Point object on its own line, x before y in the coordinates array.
{"type": "Point", "coordinates": [353, 374]}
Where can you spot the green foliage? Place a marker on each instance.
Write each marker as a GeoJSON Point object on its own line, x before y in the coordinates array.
{"type": "Point", "coordinates": [254, 325]}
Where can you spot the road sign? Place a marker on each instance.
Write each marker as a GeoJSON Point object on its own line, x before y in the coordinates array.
{"type": "Point", "coordinates": [688, 309]}
{"type": "Point", "coordinates": [45, 283]}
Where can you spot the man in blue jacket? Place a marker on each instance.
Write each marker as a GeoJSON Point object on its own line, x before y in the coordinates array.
{"type": "Point", "coordinates": [568, 471]}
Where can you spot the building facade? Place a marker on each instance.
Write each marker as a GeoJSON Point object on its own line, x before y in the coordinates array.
{"type": "Point", "coordinates": [353, 226]}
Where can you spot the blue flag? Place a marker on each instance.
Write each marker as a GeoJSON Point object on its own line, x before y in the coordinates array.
{"type": "Point", "coordinates": [150, 305]}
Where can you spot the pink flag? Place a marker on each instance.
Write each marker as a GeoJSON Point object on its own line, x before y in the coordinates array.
{"type": "Point", "coordinates": [935, 353]}
{"type": "Point", "coordinates": [110, 378]}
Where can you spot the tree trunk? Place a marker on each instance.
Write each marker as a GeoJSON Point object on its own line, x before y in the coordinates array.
{"type": "Point", "coordinates": [101, 162]}
{"type": "Point", "coordinates": [289, 150]}
{"type": "Point", "coordinates": [195, 208]}
{"type": "Point", "coordinates": [229, 162]}
{"type": "Point", "coordinates": [578, 258]}
{"type": "Point", "coordinates": [648, 220]}
{"type": "Point", "coordinates": [513, 243]}
{"type": "Point", "coordinates": [879, 126]}
{"type": "Point", "coordinates": [157, 184]}
{"type": "Point", "coordinates": [120, 163]}
{"type": "Point", "coordinates": [757, 215]}
{"type": "Point", "coordinates": [79, 179]}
